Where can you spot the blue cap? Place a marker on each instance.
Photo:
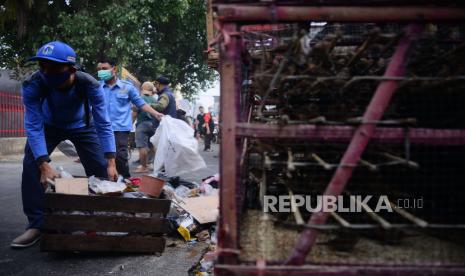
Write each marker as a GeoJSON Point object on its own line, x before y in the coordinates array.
{"type": "Point", "coordinates": [56, 51]}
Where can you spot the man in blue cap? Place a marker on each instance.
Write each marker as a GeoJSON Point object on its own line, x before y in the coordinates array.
{"type": "Point", "coordinates": [61, 103]}
{"type": "Point", "coordinates": [119, 95]}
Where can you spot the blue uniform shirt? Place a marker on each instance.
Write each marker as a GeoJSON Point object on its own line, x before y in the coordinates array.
{"type": "Point", "coordinates": [68, 113]}
{"type": "Point", "coordinates": [119, 98]}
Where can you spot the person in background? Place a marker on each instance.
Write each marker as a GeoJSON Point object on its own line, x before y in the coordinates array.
{"type": "Point", "coordinates": [144, 127]}
{"type": "Point", "coordinates": [166, 103]}
{"type": "Point", "coordinates": [61, 103]}
{"type": "Point", "coordinates": [200, 123]}
{"type": "Point", "coordinates": [209, 128]}
{"type": "Point", "coordinates": [190, 122]}
{"type": "Point", "coordinates": [181, 115]}
{"type": "Point", "coordinates": [119, 95]}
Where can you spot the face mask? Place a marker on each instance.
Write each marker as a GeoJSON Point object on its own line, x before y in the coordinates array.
{"type": "Point", "coordinates": [105, 75]}
{"type": "Point", "coordinates": [55, 80]}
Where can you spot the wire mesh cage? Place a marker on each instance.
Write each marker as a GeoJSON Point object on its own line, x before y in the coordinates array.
{"type": "Point", "coordinates": [355, 105]}
{"type": "Point", "coordinates": [325, 75]}
{"type": "Point", "coordinates": [333, 76]}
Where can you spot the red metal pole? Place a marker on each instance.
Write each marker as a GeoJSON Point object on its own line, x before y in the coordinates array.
{"type": "Point", "coordinates": [362, 136]}
{"type": "Point", "coordinates": [257, 14]}
{"type": "Point", "coordinates": [230, 90]}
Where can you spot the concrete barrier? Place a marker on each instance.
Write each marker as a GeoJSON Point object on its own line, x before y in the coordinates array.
{"type": "Point", "coordinates": [12, 145]}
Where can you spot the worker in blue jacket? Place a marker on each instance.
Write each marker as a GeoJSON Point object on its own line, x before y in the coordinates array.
{"type": "Point", "coordinates": [61, 103]}
{"type": "Point", "coordinates": [120, 96]}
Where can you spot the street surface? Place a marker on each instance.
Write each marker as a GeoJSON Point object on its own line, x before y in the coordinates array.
{"type": "Point", "coordinates": [176, 260]}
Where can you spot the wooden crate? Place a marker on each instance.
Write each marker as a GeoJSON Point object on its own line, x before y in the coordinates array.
{"type": "Point", "coordinates": [145, 234]}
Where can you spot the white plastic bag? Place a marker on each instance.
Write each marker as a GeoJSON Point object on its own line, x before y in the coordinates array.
{"type": "Point", "coordinates": [105, 186]}
{"type": "Point", "coordinates": [177, 148]}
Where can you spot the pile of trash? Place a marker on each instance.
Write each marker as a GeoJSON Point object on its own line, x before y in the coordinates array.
{"type": "Point", "coordinates": [193, 215]}
{"type": "Point", "coordinates": [193, 212]}
{"type": "Point", "coordinates": [133, 187]}
{"type": "Point", "coordinates": [194, 207]}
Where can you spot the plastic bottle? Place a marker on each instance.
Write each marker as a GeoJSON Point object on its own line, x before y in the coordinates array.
{"type": "Point", "coordinates": [182, 191]}
{"type": "Point", "coordinates": [63, 173]}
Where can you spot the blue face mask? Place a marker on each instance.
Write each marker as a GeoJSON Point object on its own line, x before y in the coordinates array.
{"type": "Point", "coordinates": [55, 80]}
{"type": "Point", "coordinates": [105, 75]}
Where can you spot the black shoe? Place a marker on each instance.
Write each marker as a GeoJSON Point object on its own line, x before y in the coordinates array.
{"type": "Point", "coordinates": [27, 239]}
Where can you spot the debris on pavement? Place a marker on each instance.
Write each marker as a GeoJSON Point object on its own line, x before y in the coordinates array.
{"type": "Point", "coordinates": [204, 209]}
{"type": "Point", "coordinates": [186, 226]}
{"type": "Point", "coordinates": [212, 180]}
{"type": "Point", "coordinates": [203, 235]}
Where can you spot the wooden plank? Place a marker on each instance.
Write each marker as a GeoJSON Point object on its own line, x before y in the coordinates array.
{"type": "Point", "coordinates": [105, 223]}
{"type": "Point", "coordinates": [134, 244]}
{"type": "Point", "coordinates": [204, 209]}
{"type": "Point", "coordinates": [106, 203]}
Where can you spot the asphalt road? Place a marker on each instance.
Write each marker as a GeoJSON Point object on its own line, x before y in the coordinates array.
{"type": "Point", "coordinates": [176, 260]}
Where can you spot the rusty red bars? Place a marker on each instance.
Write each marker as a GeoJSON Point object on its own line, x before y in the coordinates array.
{"type": "Point", "coordinates": [362, 136]}
{"type": "Point", "coordinates": [343, 134]}
{"type": "Point", "coordinates": [230, 89]}
{"type": "Point", "coordinates": [244, 13]}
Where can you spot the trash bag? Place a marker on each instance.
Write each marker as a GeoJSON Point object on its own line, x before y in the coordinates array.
{"type": "Point", "coordinates": [176, 181]}
{"type": "Point", "coordinates": [177, 148]}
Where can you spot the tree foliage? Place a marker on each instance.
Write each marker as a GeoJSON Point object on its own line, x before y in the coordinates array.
{"type": "Point", "coordinates": [149, 37]}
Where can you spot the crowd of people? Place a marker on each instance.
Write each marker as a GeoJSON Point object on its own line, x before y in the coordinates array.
{"type": "Point", "coordinates": [63, 103]}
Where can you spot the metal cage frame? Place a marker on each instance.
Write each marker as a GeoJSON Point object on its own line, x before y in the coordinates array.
{"type": "Point", "coordinates": [235, 129]}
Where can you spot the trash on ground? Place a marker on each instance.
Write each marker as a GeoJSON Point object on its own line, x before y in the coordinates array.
{"type": "Point", "coordinates": [135, 181]}
{"type": "Point", "coordinates": [203, 235]}
{"type": "Point", "coordinates": [204, 209]}
{"type": "Point", "coordinates": [182, 191]}
{"type": "Point", "coordinates": [207, 189]}
{"type": "Point", "coordinates": [175, 181]}
{"type": "Point", "coordinates": [212, 180]}
{"type": "Point", "coordinates": [151, 185]}
{"type": "Point", "coordinates": [186, 226]}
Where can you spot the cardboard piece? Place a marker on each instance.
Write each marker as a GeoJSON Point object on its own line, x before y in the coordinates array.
{"type": "Point", "coordinates": [72, 186]}
{"type": "Point", "coordinates": [204, 209]}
